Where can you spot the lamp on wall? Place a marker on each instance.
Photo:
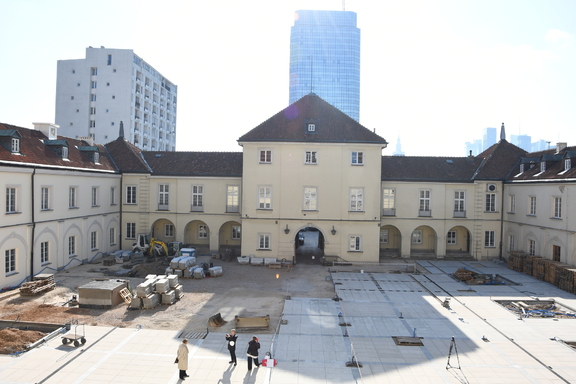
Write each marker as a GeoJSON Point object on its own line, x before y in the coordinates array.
{"type": "Point", "coordinates": [286, 230]}
{"type": "Point", "coordinates": [333, 231]}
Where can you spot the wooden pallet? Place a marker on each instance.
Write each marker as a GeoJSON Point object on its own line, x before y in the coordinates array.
{"type": "Point", "coordinates": [126, 296]}
{"type": "Point", "coordinates": [32, 288]}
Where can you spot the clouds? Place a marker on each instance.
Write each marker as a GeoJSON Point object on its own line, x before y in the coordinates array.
{"type": "Point", "coordinates": [556, 36]}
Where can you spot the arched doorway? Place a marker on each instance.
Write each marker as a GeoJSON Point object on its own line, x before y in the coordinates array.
{"type": "Point", "coordinates": [197, 235]}
{"type": "Point", "coordinates": [229, 238]}
{"type": "Point", "coordinates": [423, 242]}
{"type": "Point", "coordinates": [458, 241]}
{"type": "Point", "coordinates": [390, 242]}
{"type": "Point", "coordinates": [308, 246]}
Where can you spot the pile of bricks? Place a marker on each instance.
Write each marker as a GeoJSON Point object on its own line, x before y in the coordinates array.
{"type": "Point", "coordinates": [155, 290]}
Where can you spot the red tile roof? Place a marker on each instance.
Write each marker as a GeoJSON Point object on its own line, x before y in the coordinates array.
{"type": "Point", "coordinates": [215, 164]}
{"type": "Point", "coordinates": [332, 125]}
{"type": "Point", "coordinates": [34, 152]}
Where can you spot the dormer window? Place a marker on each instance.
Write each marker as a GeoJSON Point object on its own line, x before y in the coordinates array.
{"type": "Point", "coordinates": [542, 166]}
{"type": "Point", "coordinates": [567, 164]}
{"type": "Point", "coordinates": [96, 157]}
{"type": "Point", "coordinates": [65, 152]}
{"type": "Point", "coordinates": [311, 127]}
{"type": "Point", "coordinates": [15, 146]}
{"type": "Point", "coordinates": [521, 168]}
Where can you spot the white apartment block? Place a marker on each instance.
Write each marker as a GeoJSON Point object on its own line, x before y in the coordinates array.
{"type": "Point", "coordinates": [109, 86]}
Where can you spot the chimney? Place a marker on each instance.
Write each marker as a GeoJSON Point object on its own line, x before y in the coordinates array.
{"type": "Point", "coordinates": [48, 129]}
{"type": "Point", "coordinates": [560, 146]}
{"type": "Point", "coordinates": [88, 140]}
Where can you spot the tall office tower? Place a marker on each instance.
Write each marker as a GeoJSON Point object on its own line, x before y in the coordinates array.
{"type": "Point", "coordinates": [522, 141]}
{"type": "Point", "coordinates": [488, 138]}
{"type": "Point", "coordinates": [325, 59]}
{"type": "Point", "coordinates": [93, 95]}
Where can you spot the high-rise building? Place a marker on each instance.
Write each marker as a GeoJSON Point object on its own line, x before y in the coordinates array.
{"type": "Point", "coordinates": [522, 141]}
{"type": "Point", "coordinates": [325, 59]}
{"type": "Point", "coordinates": [93, 95]}
{"type": "Point", "coordinates": [488, 138]}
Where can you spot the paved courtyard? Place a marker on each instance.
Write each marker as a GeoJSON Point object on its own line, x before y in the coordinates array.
{"type": "Point", "coordinates": [474, 340]}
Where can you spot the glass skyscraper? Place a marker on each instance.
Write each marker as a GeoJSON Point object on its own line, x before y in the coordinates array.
{"type": "Point", "coordinates": [325, 59]}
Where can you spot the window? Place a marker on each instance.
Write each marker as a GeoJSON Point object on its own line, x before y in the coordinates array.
{"type": "Point", "coordinates": [163, 196]}
{"type": "Point", "coordinates": [93, 84]}
{"type": "Point", "coordinates": [490, 202]}
{"type": "Point", "coordinates": [64, 152]}
{"type": "Point", "coordinates": [109, 60]}
{"type": "Point", "coordinates": [567, 164]}
{"type": "Point", "coordinates": [94, 196]}
{"type": "Point", "coordinates": [113, 196]}
{"type": "Point", "coordinates": [93, 97]}
{"type": "Point", "coordinates": [202, 232]}
{"type": "Point", "coordinates": [542, 166]}
{"type": "Point", "coordinates": [45, 199]}
{"type": "Point", "coordinates": [417, 236]}
{"type": "Point", "coordinates": [44, 252]}
{"type": "Point", "coordinates": [532, 247]}
{"type": "Point", "coordinates": [92, 123]}
{"type": "Point", "coordinates": [557, 207]}
{"type": "Point", "coordinates": [355, 243]}
{"type": "Point", "coordinates": [357, 158]}
{"type": "Point", "coordinates": [311, 127]}
{"type": "Point", "coordinates": [130, 230]}
{"type": "Point", "coordinates": [489, 239]}
{"type": "Point", "coordinates": [197, 198]}
{"type": "Point", "coordinates": [93, 71]}
{"type": "Point", "coordinates": [556, 250]}
{"type": "Point", "coordinates": [265, 156]}
{"type": "Point", "coordinates": [15, 145]}
{"type": "Point", "coordinates": [384, 236]}
{"type": "Point", "coordinates": [511, 243]}
{"type": "Point", "coordinates": [522, 166]}
{"type": "Point", "coordinates": [130, 194]}
{"type": "Point", "coordinates": [92, 110]}
{"type": "Point", "coordinates": [72, 192]}
{"type": "Point", "coordinates": [451, 238]}
{"type": "Point", "coordinates": [459, 202]}
{"type": "Point", "coordinates": [424, 202]}
{"type": "Point", "coordinates": [310, 199]}
{"type": "Point", "coordinates": [10, 261]}
{"type": "Point", "coordinates": [512, 203]}
{"type": "Point", "coordinates": [264, 241]}
{"type": "Point", "coordinates": [169, 230]}
{"type": "Point", "coordinates": [71, 246]}
{"type": "Point", "coordinates": [94, 240]}
{"type": "Point", "coordinates": [112, 236]}
{"type": "Point", "coordinates": [310, 157]}
{"type": "Point", "coordinates": [265, 197]}
{"type": "Point", "coordinates": [357, 199]}
{"type": "Point", "coordinates": [388, 202]}
{"type": "Point", "coordinates": [236, 234]}
{"type": "Point", "coordinates": [10, 200]}
{"type": "Point", "coordinates": [532, 205]}
{"type": "Point", "coordinates": [232, 196]}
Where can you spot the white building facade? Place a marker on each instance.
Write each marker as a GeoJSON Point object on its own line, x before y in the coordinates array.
{"type": "Point", "coordinates": [93, 95]}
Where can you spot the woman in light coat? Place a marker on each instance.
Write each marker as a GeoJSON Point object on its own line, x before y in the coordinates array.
{"type": "Point", "coordinates": [183, 359]}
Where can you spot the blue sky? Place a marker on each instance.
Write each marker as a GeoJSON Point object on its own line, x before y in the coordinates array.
{"type": "Point", "coordinates": [434, 73]}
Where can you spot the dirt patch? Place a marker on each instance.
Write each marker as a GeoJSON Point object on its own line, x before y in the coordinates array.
{"type": "Point", "coordinates": [15, 340]}
{"type": "Point", "coordinates": [242, 290]}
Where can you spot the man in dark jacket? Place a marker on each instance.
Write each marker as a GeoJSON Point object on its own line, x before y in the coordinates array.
{"type": "Point", "coordinates": [252, 353]}
{"type": "Point", "coordinates": [231, 338]}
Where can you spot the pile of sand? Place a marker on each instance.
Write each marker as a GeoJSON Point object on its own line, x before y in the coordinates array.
{"type": "Point", "coordinates": [14, 340]}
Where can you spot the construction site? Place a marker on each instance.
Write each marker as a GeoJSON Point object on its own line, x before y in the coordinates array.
{"type": "Point", "coordinates": [397, 321]}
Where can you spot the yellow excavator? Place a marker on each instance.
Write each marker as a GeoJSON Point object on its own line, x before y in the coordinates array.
{"type": "Point", "coordinates": [149, 246]}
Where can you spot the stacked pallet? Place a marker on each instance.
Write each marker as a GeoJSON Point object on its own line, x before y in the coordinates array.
{"type": "Point", "coordinates": [567, 279]}
{"type": "Point", "coordinates": [539, 268]}
{"type": "Point", "coordinates": [516, 260]}
{"type": "Point", "coordinates": [552, 271]}
{"type": "Point", "coordinates": [42, 283]}
{"type": "Point", "coordinates": [182, 266]}
{"type": "Point", "coordinates": [529, 264]}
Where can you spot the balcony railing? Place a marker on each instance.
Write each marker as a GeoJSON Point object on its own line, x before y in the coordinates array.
{"type": "Point", "coordinates": [425, 213]}
{"type": "Point", "coordinates": [388, 211]}
{"type": "Point", "coordinates": [163, 207]}
{"type": "Point", "coordinates": [459, 213]}
{"type": "Point", "coordinates": [197, 208]}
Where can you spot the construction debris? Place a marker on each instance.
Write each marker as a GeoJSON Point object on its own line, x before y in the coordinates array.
{"type": "Point", "coordinates": [256, 323]}
{"type": "Point", "coordinates": [216, 320]}
{"type": "Point", "coordinates": [41, 283]}
{"type": "Point", "coordinates": [155, 290]}
{"type": "Point", "coordinates": [474, 278]}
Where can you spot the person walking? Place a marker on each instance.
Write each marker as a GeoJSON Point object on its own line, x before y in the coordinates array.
{"type": "Point", "coordinates": [252, 353]}
{"type": "Point", "coordinates": [231, 337]}
{"type": "Point", "coordinates": [182, 359]}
